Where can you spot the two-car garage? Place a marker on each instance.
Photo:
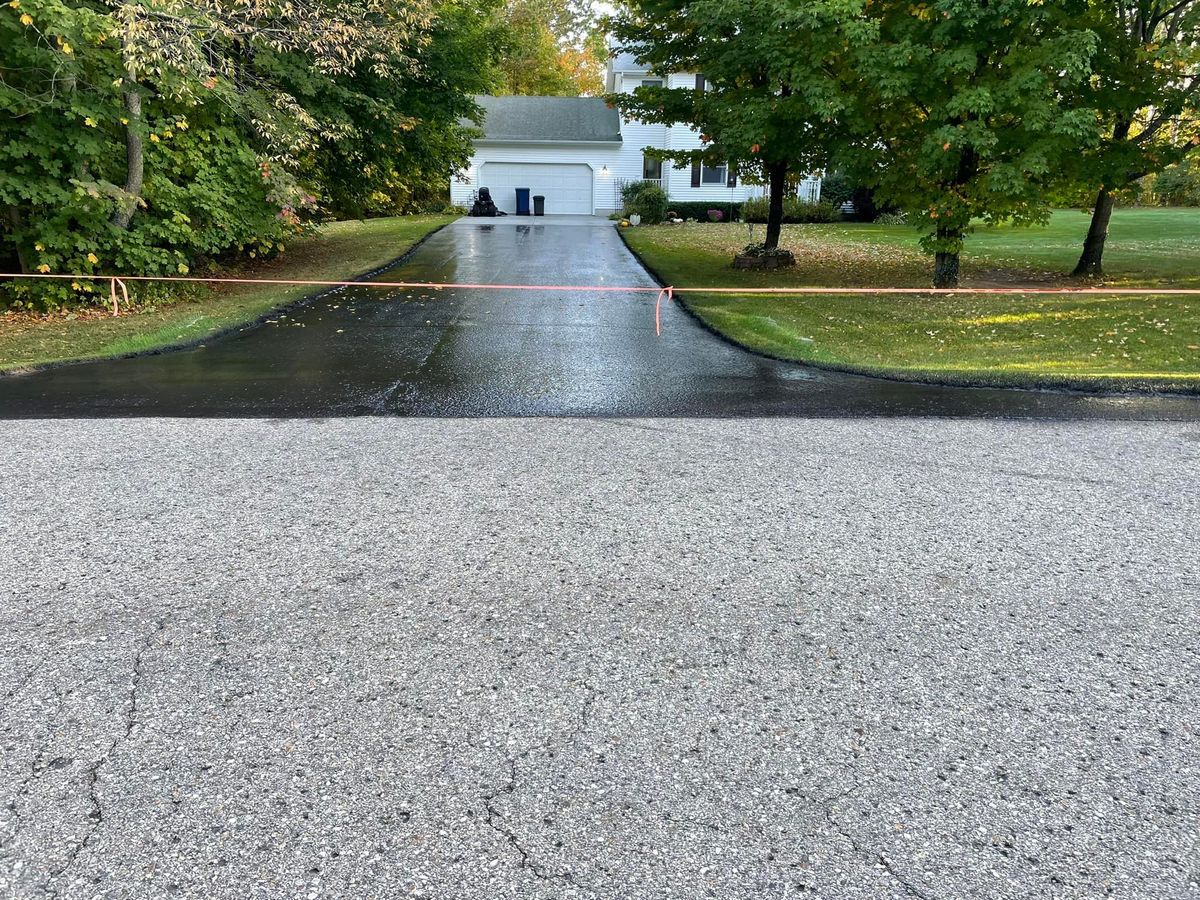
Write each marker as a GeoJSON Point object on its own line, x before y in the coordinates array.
{"type": "Point", "coordinates": [567, 187]}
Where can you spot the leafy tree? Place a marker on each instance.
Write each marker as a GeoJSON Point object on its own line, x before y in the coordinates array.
{"type": "Point", "coordinates": [1147, 84]}
{"type": "Point", "coordinates": [550, 48]}
{"type": "Point", "coordinates": [144, 137]}
{"type": "Point", "coordinates": [770, 97]}
{"type": "Point", "coordinates": [960, 111]}
{"type": "Point", "coordinates": [392, 138]}
{"type": "Point", "coordinates": [180, 48]}
{"type": "Point", "coordinates": [1178, 185]}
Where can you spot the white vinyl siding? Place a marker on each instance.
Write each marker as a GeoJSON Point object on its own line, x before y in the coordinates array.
{"type": "Point", "coordinates": [683, 137]}
{"type": "Point", "coordinates": [613, 165]}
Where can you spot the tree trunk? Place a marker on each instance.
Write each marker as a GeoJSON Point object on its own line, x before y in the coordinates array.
{"type": "Point", "coordinates": [778, 184]}
{"type": "Point", "coordinates": [1092, 260]}
{"type": "Point", "coordinates": [945, 263]}
{"type": "Point", "coordinates": [135, 160]}
{"type": "Point", "coordinates": [14, 219]}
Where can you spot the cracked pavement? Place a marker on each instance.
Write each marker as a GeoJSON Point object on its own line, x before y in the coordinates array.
{"type": "Point", "coordinates": [636, 659]}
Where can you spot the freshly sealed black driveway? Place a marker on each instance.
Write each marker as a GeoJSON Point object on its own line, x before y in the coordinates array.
{"type": "Point", "coordinates": [365, 350]}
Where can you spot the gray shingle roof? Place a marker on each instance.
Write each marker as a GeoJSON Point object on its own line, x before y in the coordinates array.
{"type": "Point", "coordinates": [549, 119]}
{"type": "Point", "coordinates": [627, 62]}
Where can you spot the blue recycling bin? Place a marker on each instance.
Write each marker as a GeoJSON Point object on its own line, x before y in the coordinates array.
{"type": "Point", "coordinates": [522, 201]}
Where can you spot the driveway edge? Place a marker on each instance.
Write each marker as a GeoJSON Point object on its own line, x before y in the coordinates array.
{"type": "Point", "coordinates": [1033, 387]}
{"type": "Point", "coordinates": [221, 332]}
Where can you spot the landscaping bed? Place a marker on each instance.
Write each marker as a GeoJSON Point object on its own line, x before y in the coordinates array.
{"type": "Point", "coordinates": [1121, 343]}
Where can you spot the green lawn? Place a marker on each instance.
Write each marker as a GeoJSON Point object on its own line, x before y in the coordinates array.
{"type": "Point", "coordinates": [339, 251]}
{"type": "Point", "coordinates": [1110, 343]}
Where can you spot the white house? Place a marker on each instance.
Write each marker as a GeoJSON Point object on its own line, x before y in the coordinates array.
{"type": "Point", "coordinates": [577, 152]}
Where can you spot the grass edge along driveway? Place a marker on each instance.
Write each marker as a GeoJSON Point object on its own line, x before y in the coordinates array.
{"type": "Point", "coordinates": [339, 251]}
{"type": "Point", "coordinates": [1098, 343]}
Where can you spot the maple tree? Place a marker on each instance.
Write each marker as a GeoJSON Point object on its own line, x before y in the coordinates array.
{"type": "Point", "coordinates": [1145, 93]}
{"type": "Point", "coordinates": [769, 100]}
{"type": "Point", "coordinates": [962, 111]}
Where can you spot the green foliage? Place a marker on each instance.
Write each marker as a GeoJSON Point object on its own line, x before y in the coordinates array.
{"type": "Point", "coordinates": [646, 199]}
{"type": "Point", "coordinates": [767, 73]}
{"type": "Point", "coordinates": [762, 251]}
{"type": "Point", "coordinates": [550, 48]}
{"type": "Point", "coordinates": [770, 92]}
{"type": "Point", "coordinates": [698, 209]}
{"type": "Point", "coordinates": [1178, 185]}
{"type": "Point", "coordinates": [1144, 90]}
{"type": "Point", "coordinates": [953, 111]}
{"type": "Point", "coordinates": [150, 138]}
{"type": "Point", "coordinates": [962, 111]}
{"type": "Point", "coordinates": [837, 188]}
{"type": "Point", "coordinates": [795, 211]}
{"type": "Point", "coordinates": [393, 142]}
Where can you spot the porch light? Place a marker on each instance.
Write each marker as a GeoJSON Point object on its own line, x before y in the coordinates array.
{"type": "Point", "coordinates": [604, 170]}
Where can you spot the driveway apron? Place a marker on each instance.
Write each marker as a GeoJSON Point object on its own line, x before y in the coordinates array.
{"type": "Point", "coordinates": [450, 352]}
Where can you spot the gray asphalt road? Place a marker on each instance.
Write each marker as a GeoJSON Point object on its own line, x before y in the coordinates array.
{"type": "Point", "coordinates": [599, 659]}
{"type": "Point", "coordinates": [400, 352]}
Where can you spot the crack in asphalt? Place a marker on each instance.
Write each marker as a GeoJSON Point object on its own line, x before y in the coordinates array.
{"type": "Point", "coordinates": [20, 685]}
{"type": "Point", "coordinates": [36, 768]}
{"type": "Point", "coordinates": [585, 712]}
{"type": "Point", "coordinates": [93, 772]}
{"type": "Point", "coordinates": [867, 853]}
{"type": "Point", "coordinates": [827, 804]}
{"type": "Point", "coordinates": [494, 821]}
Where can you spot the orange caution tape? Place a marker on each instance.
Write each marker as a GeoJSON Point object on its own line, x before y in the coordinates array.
{"type": "Point", "coordinates": [619, 289]}
{"type": "Point", "coordinates": [668, 292]}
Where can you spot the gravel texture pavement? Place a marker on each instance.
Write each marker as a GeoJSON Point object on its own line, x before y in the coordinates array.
{"type": "Point", "coordinates": [620, 659]}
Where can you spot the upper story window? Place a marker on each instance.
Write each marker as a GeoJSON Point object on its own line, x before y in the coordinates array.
{"type": "Point", "coordinates": [714, 174]}
{"type": "Point", "coordinates": [652, 82]}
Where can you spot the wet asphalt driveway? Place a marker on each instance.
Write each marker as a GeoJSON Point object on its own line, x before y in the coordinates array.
{"type": "Point", "coordinates": [363, 351]}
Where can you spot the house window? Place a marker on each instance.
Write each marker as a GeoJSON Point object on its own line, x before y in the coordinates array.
{"type": "Point", "coordinates": [651, 168]}
{"type": "Point", "coordinates": [714, 174]}
{"type": "Point", "coordinates": [652, 82]}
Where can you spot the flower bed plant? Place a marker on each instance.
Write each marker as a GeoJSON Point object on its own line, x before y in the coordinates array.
{"type": "Point", "coordinates": [795, 211]}
{"type": "Point", "coordinates": [758, 256]}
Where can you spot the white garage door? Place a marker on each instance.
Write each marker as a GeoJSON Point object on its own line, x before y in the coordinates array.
{"type": "Point", "coordinates": [567, 187]}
